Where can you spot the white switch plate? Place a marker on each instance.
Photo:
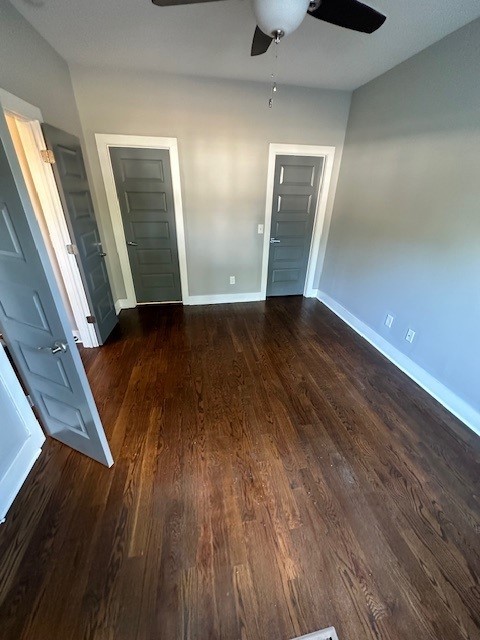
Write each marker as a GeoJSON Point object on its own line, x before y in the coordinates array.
{"type": "Point", "coordinates": [260, 229]}
{"type": "Point", "coordinates": [410, 335]}
{"type": "Point", "coordinates": [232, 279]}
{"type": "Point", "coordinates": [389, 320]}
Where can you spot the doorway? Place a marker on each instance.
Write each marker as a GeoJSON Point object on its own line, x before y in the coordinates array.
{"type": "Point", "coordinates": [38, 167]}
{"type": "Point", "coordinates": [38, 353]}
{"type": "Point", "coordinates": [34, 323]}
{"type": "Point", "coordinates": [149, 166]}
{"type": "Point", "coordinates": [298, 185]}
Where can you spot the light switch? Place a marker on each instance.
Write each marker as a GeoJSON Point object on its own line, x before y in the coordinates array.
{"type": "Point", "coordinates": [260, 229]}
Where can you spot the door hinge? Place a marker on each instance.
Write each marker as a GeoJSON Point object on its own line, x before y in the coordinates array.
{"type": "Point", "coordinates": [30, 401]}
{"type": "Point", "coordinates": [47, 156]}
{"type": "Point", "coordinates": [91, 320]}
{"type": "Point", "coordinates": [72, 249]}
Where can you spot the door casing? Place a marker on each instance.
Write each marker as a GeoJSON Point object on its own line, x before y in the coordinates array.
{"type": "Point", "coordinates": [104, 142]}
{"type": "Point", "coordinates": [317, 248]}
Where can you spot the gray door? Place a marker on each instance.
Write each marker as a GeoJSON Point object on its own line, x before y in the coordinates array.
{"type": "Point", "coordinates": [72, 184]}
{"type": "Point", "coordinates": [34, 323]}
{"type": "Point", "coordinates": [295, 194]}
{"type": "Point", "coordinates": [144, 187]}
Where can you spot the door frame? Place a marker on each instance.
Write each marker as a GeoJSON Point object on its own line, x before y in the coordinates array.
{"type": "Point", "coordinates": [280, 149]}
{"type": "Point", "coordinates": [29, 128]}
{"type": "Point", "coordinates": [104, 142]}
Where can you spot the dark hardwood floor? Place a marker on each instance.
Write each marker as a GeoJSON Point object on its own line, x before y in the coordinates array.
{"type": "Point", "coordinates": [274, 475]}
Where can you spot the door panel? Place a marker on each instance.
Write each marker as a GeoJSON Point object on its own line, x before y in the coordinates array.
{"type": "Point", "coordinates": [72, 184]}
{"type": "Point", "coordinates": [34, 323]}
{"type": "Point", "coordinates": [21, 437]}
{"type": "Point", "coordinates": [294, 204]}
{"type": "Point", "coordinates": [145, 194]}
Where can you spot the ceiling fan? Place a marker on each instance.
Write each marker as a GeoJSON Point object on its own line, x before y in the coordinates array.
{"type": "Point", "coordinates": [279, 18]}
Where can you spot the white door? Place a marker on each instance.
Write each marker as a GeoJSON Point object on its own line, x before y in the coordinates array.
{"type": "Point", "coordinates": [21, 438]}
{"type": "Point", "coordinates": [34, 322]}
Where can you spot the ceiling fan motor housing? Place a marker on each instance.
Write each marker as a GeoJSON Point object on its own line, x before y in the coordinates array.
{"type": "Point", "coordinates": [280, 15]}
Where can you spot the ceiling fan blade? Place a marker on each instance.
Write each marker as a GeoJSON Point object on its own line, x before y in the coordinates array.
{"type": "Point", "coordinates": [260, 42]}
{"type": "Point", "coordinates": [174, 3]}
{"type": "Point", "coordinates": [349, 14]}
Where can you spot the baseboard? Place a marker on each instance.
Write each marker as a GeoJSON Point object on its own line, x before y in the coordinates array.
{"type": "Point", "coordinates": [122, 303]}
{"type": "Point", "coordinates": [225, 298]}
{"type": "Point", "coordinates": [222, 298]}
{"type": "Point", "coordinates": [458, 407]}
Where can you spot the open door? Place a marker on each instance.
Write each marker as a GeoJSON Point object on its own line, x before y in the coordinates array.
{"type": "Point", "coordinates": [71, 178]}
{"type": "Point", "coordinates": [34, 322]}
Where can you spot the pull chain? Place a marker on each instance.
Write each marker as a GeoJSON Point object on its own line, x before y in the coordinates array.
{"type": "Point", "coordinates": [274, 74]}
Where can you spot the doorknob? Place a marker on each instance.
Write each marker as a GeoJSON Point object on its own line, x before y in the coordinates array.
{"type": "Point", "coordinates": [102, 254]}
{"type": "Point", "coordinates": [274, 241]}
{"type": "Point", "coordinates": [57, 347]}
{"type": "Point", "coordinates": [132, 244]}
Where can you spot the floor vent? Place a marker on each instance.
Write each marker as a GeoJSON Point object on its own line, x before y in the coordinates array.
{"type": "Point", "coordinates": [324, 634]}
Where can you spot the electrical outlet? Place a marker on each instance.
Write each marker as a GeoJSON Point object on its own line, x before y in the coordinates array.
{"type": "Point", "coordinates": [232, 279]}
{"type": "Point", "coordinates": [410, 335]}
{"type": "Point", "coordinates": [389, 320]}
{"type": "Point", "coordinates": [260, 229]}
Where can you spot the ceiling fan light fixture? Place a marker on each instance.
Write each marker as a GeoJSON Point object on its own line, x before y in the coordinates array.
{"type": "Point", "coordinates": [275, 16]}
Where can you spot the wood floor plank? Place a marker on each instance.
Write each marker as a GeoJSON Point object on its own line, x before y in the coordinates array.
{"type": "Point", "coordinates": [273, 475]}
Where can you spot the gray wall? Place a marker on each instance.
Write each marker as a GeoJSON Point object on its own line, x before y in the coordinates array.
{"type": "Point", "coordinates": [223, 130]}
{"type": "Point", "coordinates": [405, 234]}
{"type": "Point", "coordinates": [32, 70]}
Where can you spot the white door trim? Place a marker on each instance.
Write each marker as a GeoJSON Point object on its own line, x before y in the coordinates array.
{"type": "Point", "coordinates": [104, 142]}
{"type": "Point", "coordinates": [15, 475]}
{"type": "Point", "coordinates": [31, 135]}
{"type": "Point", "coordinates": [328, 153]}
{"type": "Point", "coordinates": [19, 107]}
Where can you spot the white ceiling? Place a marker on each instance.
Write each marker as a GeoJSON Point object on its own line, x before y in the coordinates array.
{"type": "Point", "coordinates": [214, 39]}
